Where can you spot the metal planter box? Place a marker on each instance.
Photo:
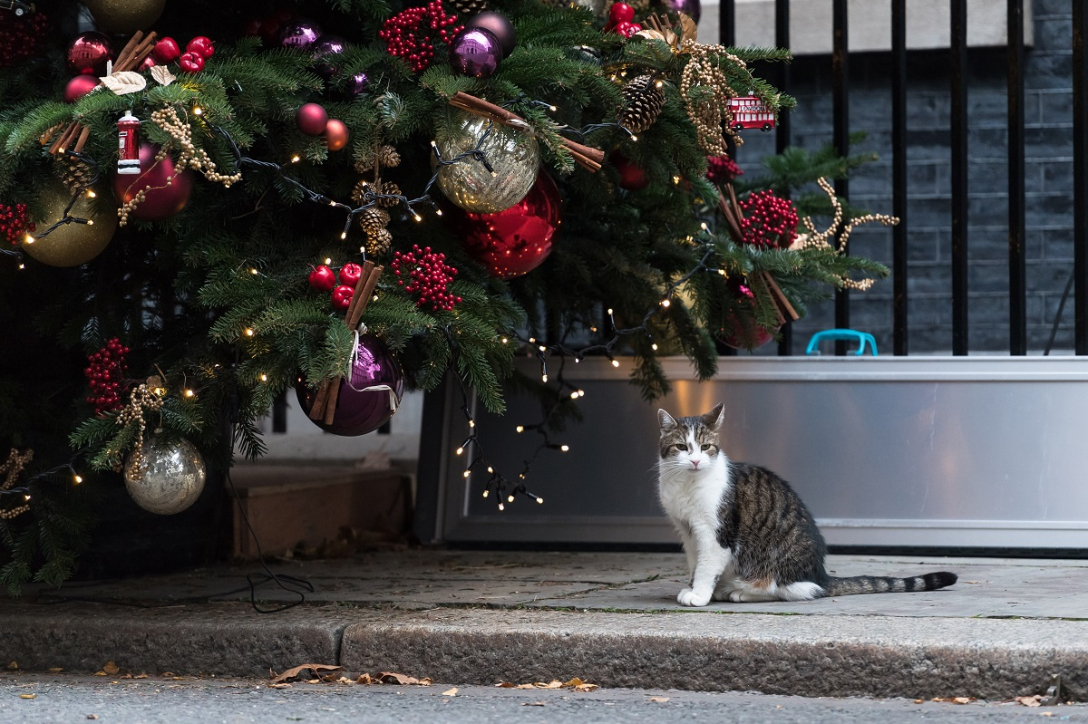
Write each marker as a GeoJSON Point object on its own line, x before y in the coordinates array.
{"type": "Point", "coordinates": [986, 452]}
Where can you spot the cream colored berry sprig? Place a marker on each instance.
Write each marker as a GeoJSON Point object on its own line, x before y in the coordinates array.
{"type": "Point", "coordinates": [710, 115]}
{"type": "Point", "coordinates": [144, 398]}
{"type": "Point", "coordinates": [13, 468]}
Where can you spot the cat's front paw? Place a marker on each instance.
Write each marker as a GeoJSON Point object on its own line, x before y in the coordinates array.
{"type": "Point", "coordinates": [689, 597]}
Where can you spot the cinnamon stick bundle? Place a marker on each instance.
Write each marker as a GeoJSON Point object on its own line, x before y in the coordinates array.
{"type": "Point", "coordinates": [328, 393]}
{"type": "Point", "coordinates": [588, 157]}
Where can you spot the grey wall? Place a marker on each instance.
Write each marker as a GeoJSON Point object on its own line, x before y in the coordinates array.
{"type": "Point", "coordinates": [1048, 103]}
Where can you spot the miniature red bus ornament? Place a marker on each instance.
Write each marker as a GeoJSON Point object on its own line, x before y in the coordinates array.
{"type": "Point", "coordinates": [750, 112]}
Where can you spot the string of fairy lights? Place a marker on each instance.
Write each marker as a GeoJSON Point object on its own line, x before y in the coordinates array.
{"type": "Point", "coordinates": [504, 490]}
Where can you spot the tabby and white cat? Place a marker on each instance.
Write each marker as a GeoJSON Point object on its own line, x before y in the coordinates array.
{"type": "Point", "coordinates": [747, 535]}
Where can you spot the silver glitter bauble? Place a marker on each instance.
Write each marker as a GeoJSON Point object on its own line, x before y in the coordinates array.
{"type": "Point", "coordinates": [170, 479]}
{"type": "Point", "coordinates": [513, 154]}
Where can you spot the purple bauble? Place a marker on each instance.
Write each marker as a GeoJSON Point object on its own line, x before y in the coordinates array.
{"type": "Point", "coordinates": [499, 26]}
{"type": "Point", "coordinates": [688, 7]}
{"type": "Point", "coordinates": [299, 34]}
{"type": "Point", "coordinates": [359, 410]}
{"type": "Point", "coordinates": [475, 52]}
{"type": "Point", "coordinates": [358, 84]}
{"type": "Point", "coordinates": [327, 45]}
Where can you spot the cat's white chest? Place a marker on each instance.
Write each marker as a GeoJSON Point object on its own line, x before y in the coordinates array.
{"type": "Point", "coordinates": [692, 499]}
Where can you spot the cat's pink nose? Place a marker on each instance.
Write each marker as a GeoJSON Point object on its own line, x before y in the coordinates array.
{"type": "Point", "coordinates": [695, 464]}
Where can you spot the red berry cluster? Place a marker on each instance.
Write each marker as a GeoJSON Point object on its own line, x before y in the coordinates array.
{"type": "Point", "coordinates": [19, 37]}
{"type": "Point", "coordinates": [14, 223]}
{"type": "Point", "coordinates": [428, 275]}
{"type": "Point", "coordinates": [107, 372]}
{"type": "Point", "coordinates": [722, 169]}
{"type": "Point", "coordinates": [410, 33]}
{"type": "Point", "coordinates": [769, 221]}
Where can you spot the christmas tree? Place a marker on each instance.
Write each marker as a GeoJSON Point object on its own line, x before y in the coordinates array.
{"type": "Point", "coordinates": [212, 204]}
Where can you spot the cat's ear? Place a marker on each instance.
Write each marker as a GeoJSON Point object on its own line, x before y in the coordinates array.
{"type": "Point", "coordinates": [665, 419]}
{"type": "Point", "coordinates": [715, 417]}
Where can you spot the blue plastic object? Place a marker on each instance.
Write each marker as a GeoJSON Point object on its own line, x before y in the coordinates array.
{"type": "Point", "coordinates": [848, 334]}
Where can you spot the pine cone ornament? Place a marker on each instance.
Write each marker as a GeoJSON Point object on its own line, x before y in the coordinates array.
{"type": "Point", "coordinates": [388, 157]}
{"type": "Point", "coordinates": [644, 101]}
{"type": "Point", "coordinates": [378, 244]}
{"type": "Point", "coordinates": [468, 7]}
{"type": "Point", "coordinates": [390, 188]}
{"type": "Point", "coordinates": [358, 194]}
{"type": "Point", "coordinates": [373, 220]}
{"type": "Point", "coordinates": [75, 174]}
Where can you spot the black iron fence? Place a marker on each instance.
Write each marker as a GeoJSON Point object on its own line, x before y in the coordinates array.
{"type": "Point", "coordinates": [1067, 65]}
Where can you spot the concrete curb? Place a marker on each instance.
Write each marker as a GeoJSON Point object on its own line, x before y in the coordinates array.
{"type": "Point", "coordinates": [802, 655]}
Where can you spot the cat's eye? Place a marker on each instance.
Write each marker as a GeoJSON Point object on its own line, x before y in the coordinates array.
{"type": "Point", "coordinates": [707, 447]}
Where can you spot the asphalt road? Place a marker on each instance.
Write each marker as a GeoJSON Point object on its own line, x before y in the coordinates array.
{"type": "Point", "coordinates": [45, 699]}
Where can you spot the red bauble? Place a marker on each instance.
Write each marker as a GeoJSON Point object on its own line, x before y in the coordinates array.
{"type": "Point", "coordinates": [322, 278]}
{"type": "Point", "coordinates": [78, 87]}
{"type": "Point", "coordinates": [164, 199]}
{"type": "Point", "coordinates": [167, 50]}
{"type": "Point", "coordinates": [632, 176]}
{"type": "Point", "coordinates": [89, 53]}
{"type": "Point", "coordinates": [515, 241]}
{"type": "Point", "coordinates": [742, 332]}
{"type": "Point", "coordinates": [148, 63]}
{"type": "Point", "coordinates": [312, 119]}
{"type": "Point", "coordinates": [336, 134]}
{"type": "Point", "coordinates": [341, 296]}
{"type": "Point", "coordinates": [350, 273]}
{"type": "Point", "coordinates": [621, 12]}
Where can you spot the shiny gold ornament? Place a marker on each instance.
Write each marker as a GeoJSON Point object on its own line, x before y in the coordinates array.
{"type": "Point", "coordinates": [70, 244]}
{"type": "Point", "coordinates": [125, 16]}
{"type": "Point", "coordinates": [513, 154]}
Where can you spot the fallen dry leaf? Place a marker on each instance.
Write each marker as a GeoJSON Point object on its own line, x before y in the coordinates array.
{"type": "Point", "coordinates": [111, 668]}
{"type": "Point", "coordinates": [533, 703]}
{"type": "Point", "coordinates": [364, 679]}
{"type": "Point", "coordinates": [1046, 713]}
{"type": "Point", "coordinates": [92, 716]}
{"type": "Point", "coordinates": [528, 686]}
{"type": "Point", "coordinates": [100, 673]}
{"type": "Point", "coordinates": [389, 677]}
{"type": "Point", "coordinates": [28, 696]}
{"type": "Point", "coordinates": [1029, 700]}
{"type": "Point", "coordinates": [963, 699]}
{"type": "Point", "coordinates": [659, 699]}
{"type": "Point", "coordinates": [505, 685]}
{"type": "Point", "coordinates": [578, 685]}
{"type": "Point", "coordinates": [279, 686]}
{"type": "Point", "coordinates": [13, 665]}
{"type": "Point", "coordinates": [55, 670]}
{"type": "Point", "coordinates": [293, 673]}
{"type": "Point", "coordinates": [450, 692]}
{"type": "Point", "coordinates": [553, 684]}
{"type": "Point", "coordinates": [140, 676]}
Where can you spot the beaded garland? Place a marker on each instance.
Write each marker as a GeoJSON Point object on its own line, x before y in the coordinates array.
{"type": "Point", "coordinates": [12, 469]}
{"type": "Point", "coordinates": [428, 274]}
{"type": "Point", "coordinates": [142, 397]}
{"type": "Point", "coordinates": [410, 33]}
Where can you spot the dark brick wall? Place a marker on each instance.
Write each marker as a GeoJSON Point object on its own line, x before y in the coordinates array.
{"type": "Point", "coordinates": [1049, 169]}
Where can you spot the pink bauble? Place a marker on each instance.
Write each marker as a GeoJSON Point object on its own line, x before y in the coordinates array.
{"type": "Point", "coordinates": [311, 119]}
{"type": "Point", "coordinates": [517, 240]}
{"type": "Point", "coordinates": [360, 410]}
{"type": "Point", "coordinates": [78, 87]}
{"type": "Point", "coordinates": [742, 332]}
{"type": "Point", "coordinates": [632, 176]}
{"type": "Point", "coordinates": [163, 200]}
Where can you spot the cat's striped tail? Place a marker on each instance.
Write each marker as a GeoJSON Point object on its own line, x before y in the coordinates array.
{"type": "Point", "coordinates": [883, 584]}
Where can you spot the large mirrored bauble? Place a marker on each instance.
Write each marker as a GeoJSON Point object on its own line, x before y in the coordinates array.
{"type": "Point", "coordinates": [125, 16]}
{"type": "Point", "coordinates": [360, 410]}
{"type": "Point", "coordinates": [475, 52]}
{"type": "Point", "coordinates": [72, 244]}
{"type": "Point", "coordinates": [513, 154]}
{"type": "Point", "coordinates": [170, 479]}
{"type": "Point", "coordinates": [299, 34]}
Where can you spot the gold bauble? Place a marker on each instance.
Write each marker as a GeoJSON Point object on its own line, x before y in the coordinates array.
{"type": "Point", "coordinates": [125, 16]}
{"type": "Point", "coordinates": [513, 154]}
{"type": "Point", "coordinates": [70, 244]}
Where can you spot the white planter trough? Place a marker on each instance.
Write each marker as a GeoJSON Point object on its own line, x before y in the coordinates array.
{"type": "Point", "coordinates": [945, 452]}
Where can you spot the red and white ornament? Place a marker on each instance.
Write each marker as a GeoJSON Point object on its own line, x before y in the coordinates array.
{"type": "Point", "coordinates": [128, 144]}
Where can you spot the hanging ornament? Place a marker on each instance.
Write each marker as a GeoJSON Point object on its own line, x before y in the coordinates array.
{"type": "Point", "coordinates": [369, 398]}
{"type": "Point", "coordinates": [89, 53]}
{"type": "Point", "coordinates": [125, 16]}
{"type": "Point", "coordinates": [643, 100]}
{"type": "Point", "coordinates": [106, 371]}
{"type": "Point", "coordinates": [632, 176]}
{"type": "Point", "coordinates": [336, 134]}
{"type": "Point", "coordinates": [517, 240]}
{"type": "Point", "coordinates": [128, 142]}
{"type": "Point", "coordinates": [358, 84]}
{"type": "Point", "coordinates": [299, 34]}
{"type": "Point", "coordinates": [428, 277]}
{"type": "Point", "coordinates": [742, 332]}
{"type": "Point", "coordinates": [168, 479]}
{"type": "Point", "coordinates": [70, 244]}
{"type": "Point", "coordinates": [311, 119]}
{"type": "Point", "coordinates": [475, 52]}
{"type": "Point", "coordinates": [79, 86]}
{"type": "Point", "coordinates": [165, 193]}
{"type": "Point", "coordinates": [411, 33]}
{"type": "Point", "coordinates": [467, 7]}
{"type": "Point", "coordinates": [322, 49]}
{"type": "Point", "coordinates": [499, 26]}
{"type": "Point", "coordinates": [512, 154]}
